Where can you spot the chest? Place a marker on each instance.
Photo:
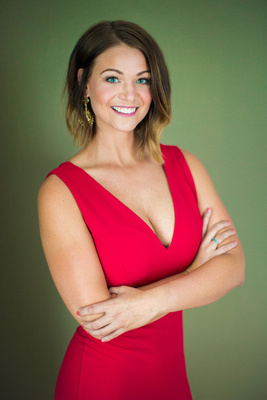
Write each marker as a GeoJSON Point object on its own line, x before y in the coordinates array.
{"type": "Point", "coordinates": [130, 252]}
{"type": "Point", "coordinates": [145, 192]}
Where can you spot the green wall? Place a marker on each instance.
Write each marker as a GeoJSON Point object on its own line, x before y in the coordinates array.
{"type": "Point", "coordinates": [216, 52]}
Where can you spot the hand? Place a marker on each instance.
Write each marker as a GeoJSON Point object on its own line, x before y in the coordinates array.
{"type": "Point", "coordinates": [209, 248]}
{"type": "Point", "coordinates": [129, 309]}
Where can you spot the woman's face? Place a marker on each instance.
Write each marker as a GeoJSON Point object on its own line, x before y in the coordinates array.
{"type": "Point", "coordinates": [119, 89]}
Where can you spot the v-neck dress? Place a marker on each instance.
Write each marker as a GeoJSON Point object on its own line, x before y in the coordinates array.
{"type": "Point", "coordinates": [146, 363]}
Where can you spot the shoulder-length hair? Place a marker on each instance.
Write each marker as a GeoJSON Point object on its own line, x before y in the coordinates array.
{"type": "Point", "coordinates": [92, 43]}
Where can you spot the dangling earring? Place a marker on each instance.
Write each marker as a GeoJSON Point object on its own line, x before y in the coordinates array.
{"type": "Point", "coordinates": [88, 115]}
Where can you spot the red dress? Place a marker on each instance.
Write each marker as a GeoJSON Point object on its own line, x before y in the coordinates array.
{"type": "Point", "coordinates": [146, 363]}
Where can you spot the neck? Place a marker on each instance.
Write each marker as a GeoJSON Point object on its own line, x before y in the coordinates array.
{"type": "Point", "coordinates": [120, 149]}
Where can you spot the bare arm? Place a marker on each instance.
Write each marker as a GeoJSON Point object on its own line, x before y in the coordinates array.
{"type": "Point", "coordinates": [204, 284]}
{"type": "Point", "coordinates": [69, 248]}
{"type": "Point", "coordinates": [219, 275]}
{"type": "Point", "coordinates": [215, 242]}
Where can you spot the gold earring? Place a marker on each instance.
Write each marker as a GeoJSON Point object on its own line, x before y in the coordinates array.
{"type": "Point", "coordinates": [88, 115]}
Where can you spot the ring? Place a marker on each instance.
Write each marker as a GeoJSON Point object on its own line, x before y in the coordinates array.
{"type": "Point", "coordinates": [215, 241]}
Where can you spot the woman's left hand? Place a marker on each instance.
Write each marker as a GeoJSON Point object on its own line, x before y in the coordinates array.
{"type": "Point", "coordinates": [129, 308]}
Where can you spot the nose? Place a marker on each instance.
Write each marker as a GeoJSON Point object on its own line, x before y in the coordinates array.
{"type": "Point", "coordinates": [128, 92]}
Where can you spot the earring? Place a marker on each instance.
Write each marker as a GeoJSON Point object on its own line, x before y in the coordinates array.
{"type": "Point", "coordinates": [88, 115]}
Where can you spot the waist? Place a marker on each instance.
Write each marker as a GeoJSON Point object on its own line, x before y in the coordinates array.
{"type": "Point", "coordinates": [168, 329]}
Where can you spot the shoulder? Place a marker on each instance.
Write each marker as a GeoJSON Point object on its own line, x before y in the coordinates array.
{"type": "Point", "coordinates": [52, 188]}
{"type": "Point", "coordinates": [167, 149]}
{"type": "Point", "coordinates": [55, 184]}
{"type": "Point", "coordinates": [206, 192]}
{"type": "Point", "coordinates": [186, 160]}
{"type": "Point", "coordinates": [195, 165]}
{"type": "Point", "coordinates": [198, 171]}
{"type": "Point", "coordinates": [205, 189]}
{"type": "Point", "coordinates": [55, 199]}
{"type": "Point", "coordinates": [172, 152]}
{"type": "Point", "coordinates": [179, 153]}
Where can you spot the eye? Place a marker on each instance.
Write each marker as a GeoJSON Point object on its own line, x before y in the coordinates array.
{"type": "Point", "coordinates": [144, 81]}
{"type": "Point", "coordinates": [112, 79]}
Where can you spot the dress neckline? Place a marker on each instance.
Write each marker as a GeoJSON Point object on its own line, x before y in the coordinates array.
{"type": "Point", "coordinates": [165, 247]}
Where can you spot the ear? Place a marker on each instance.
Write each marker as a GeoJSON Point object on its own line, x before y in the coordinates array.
{"type": "Point", "coordinates": [79, 78]}
{"type": "Point", "coordinates": [79, 75]}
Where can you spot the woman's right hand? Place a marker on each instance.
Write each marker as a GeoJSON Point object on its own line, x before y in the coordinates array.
{"type": "Point", "coordinates": [212, 241]}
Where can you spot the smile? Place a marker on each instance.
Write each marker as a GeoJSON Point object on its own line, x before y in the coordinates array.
{"type": "Point", "coordinates": [125, 110]}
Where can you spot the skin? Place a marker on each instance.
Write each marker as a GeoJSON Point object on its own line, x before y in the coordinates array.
{"type": "Point", "coordinates": [120, 78]}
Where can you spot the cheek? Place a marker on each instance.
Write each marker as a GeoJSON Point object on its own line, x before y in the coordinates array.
{"type": "Point", "coordinates": [147, 97]}
{"type": "Point", "coordinates": [100, 94]}
{"type": "Point", "coordinates": [104, 94]}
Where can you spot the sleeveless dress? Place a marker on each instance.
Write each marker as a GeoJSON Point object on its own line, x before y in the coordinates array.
{"type": "Point", "coordinates": [146, 363]}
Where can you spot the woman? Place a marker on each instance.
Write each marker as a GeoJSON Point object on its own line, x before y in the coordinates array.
{"type": "Point", "coordinates": [121, 225]}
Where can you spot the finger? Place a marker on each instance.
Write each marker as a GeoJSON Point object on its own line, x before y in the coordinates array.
{"type": "Point", "coordinates": [220, 237]}
{"type": "Point", "coordinates": [95, 334]}
{"type": "Point", "coordinates": [88, 310]}
{"type": "Point", "coordinates": [113, 335]}
{"type": "Point", "coordinates": [214, 243]}
{"type": "Point", "coordinates": [96, 308]}
{"type": "Point", "coordinates": [206, 218]}
{"type": "Point", "coordinates": [212, 232]}
{"type": "Point", "coordinates": [226, 247]}
{"type": "Point", "coordinates": [115, 290]}
{"type": "Point", "coordinates": [97, 324]}
{"type": "Point", "coordinates": [100, 333]}
{"type": "Point", "coordinates": [105, 331]}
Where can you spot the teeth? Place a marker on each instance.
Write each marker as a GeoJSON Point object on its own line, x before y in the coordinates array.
{"type": "Point", "coordinates": [124, 110]}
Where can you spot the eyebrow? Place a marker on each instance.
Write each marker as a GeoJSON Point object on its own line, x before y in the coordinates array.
{"type": "Point", "coordinates": [121, 73]}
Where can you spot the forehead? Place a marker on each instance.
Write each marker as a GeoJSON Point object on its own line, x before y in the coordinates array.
{"type": "Point", "coordinates": [121, 57]}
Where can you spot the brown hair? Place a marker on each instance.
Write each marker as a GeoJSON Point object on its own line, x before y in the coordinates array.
{"type": "Point", "coordinates": [95, 41]}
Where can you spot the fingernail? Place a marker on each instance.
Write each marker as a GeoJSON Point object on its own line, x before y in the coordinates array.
{"type": "Point", "coordinates": [77, 313]}
{"type": "Point", "coordinates": [235, 242]}
{"type": "Point", "coordinates": [208, 210]}
{"type": "Point", "coordinates": [233, 230]}
{"type": "Point", "coordinates": [228, 222]}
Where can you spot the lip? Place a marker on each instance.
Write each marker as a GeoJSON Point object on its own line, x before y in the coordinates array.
{"type": "Point", "coordinates": [128, 113]}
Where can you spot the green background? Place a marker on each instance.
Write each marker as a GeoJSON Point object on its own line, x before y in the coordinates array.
{"type": "Point", "coordinates": [216, 53]}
